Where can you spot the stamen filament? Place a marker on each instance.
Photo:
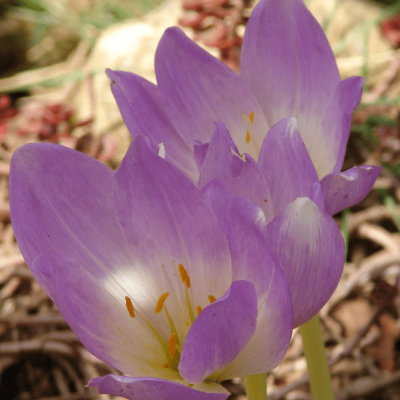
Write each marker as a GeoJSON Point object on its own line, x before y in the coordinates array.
{"type": "Point", "coordinates": [189, 306]}
{"type": "Point", "coordinates": [172, 325]}
{"type": "Point", "coordinates": [186, 281]}
{"type": "Point", "coordinates": [173, 363]}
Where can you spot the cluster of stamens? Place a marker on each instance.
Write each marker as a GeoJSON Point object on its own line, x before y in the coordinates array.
{"type": "Point", "coordinates": [173, 347]}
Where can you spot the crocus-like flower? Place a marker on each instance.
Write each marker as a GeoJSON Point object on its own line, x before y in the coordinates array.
{"type": "Point", "coordinates": [145, 274]}
{"type": "Point", "coordinates": [290, 87]}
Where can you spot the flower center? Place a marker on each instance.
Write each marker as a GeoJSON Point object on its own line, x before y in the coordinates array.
{"type": "Point", "coordinates": [173, 347]}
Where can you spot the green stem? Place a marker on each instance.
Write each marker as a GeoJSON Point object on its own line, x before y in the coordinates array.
{"type": "Point", "coordinates": [317, 363]}
{"type": "Point", "coordinates": [256, 387]}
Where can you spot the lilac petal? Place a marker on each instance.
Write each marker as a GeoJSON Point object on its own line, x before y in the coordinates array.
{"type": "Point", "coordinates": [289, 65]}
{"type": "Point", "coordinates": [96, 311]}
{"type": "Point", "coordinates": [143, 112]}
{"type": "Point", "coordinates": [167, 222]}
{"type": "Point", "coordinates": [220, 161]}
{"type": "Point", "coordinates": [345, 189]}
{"type": "Point", "coordinates": [240, 178]}
{"type": "Point", "coordinates": [219, 333]}
{"type": "Point", "coordinates": [199, 89]}
{"type": "Point", "coordinates": [310, 248]}
{"type": "Point", "coordinates": [329, 146]}
{"type": "Point", "coordinates": [150, 389]}
{"type": "Point", "coordinates": [70, 194]}
{"type": "Point", "coordinates": [200, 151]}
{"type": "Point", "coordinates": [253, 261]}
{"type": "Point", "coordinates": [286, 164]}
{"type": "Point", "coordinates": [217, 197]}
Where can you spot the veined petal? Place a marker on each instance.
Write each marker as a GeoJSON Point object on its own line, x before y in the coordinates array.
{"type": "Point", "coordinates": [328, 147]}
{"type": "Point", "coordinates": [241, 178]}
{"type": "Point", "coordinates": [308, 244]}
{"type": "Point", "coordinates": [97, 314]}
{"type": "Point", "coordinates": [167, 226]}
{"type": "Point", "coordinates": [286, 164]}
{"type": "Point", "coordinates": [143, 112]}
{"type": "Point", "coordinates": [217, 197]}
{"type": "Point", "coordinates": [253, 261]}
{"type": "Point", "coordinates": [64, 197]}
{"type": "Point", "coordinates": [344, 189]}
{"type": "Point", "coordinates": [199, 89]}
{"type": "Point", "coordinates": [152, 389]}
{"type": "Point", "coordinates": [288, 64]}
{"type": "Point", "coordinates": [219, 333]}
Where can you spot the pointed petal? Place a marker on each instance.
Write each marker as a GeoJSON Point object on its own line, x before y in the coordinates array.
{"type": "Point", "coordinates": [150, 389]}
{"type": "Point", "coordinates": [95, 310]}
{"type": "Point", "coordinates": [219, 333]}
{"type": "Point", "coordinates": [199, 89]}
{"type": "Point", "coordinates": [328, 147]}
{"type": "Point", "coordinates": [239, 177]}
{"type": "Point", "coordinates": [253, 261]}
{"type": "Point", "coordinates": [220, 161]}
{"type": "Point", "coordinates": [345, 189]}
{"type": "Point", "coordinates": [143, 112]}
{"type": "Point", "coordinates": [289, 65]}
{"type": "Point", "coordinates": [286, 164]}
{"type": "Point", "coordinates": [200, 151]}
{"type": "Point", "coordinates": [310, 248]}
{"type": "Point", "coordinates": [166, 222]}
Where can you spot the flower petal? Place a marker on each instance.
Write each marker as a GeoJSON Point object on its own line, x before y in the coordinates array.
{"type": "Point", "coordinates": [166, 223]}
{"type": "Point", "coordinates": [143, 112]}
{"type": "Point", "coordinates": [345, 189]}
{"type": "Point", "coordinates": [70, 194]}
{"type": "Point", "coordinates": [239, 177]}
{"type": "Point", "coordinates": [253, 261]}
{"type": "Point", "coordinates": [289, 65]}
{"type": "Point", "coordinates": [328, 147]}
{"type": "Point", "coordinates": [310, 248]}
{"type": "Point", "coordinates": [150, 389]}
{"type": "Point", "coordinates": [286, 164]}
{"type": "Point", "coordinates": [199, 89]}
{"type": "Point", "coordinates": [219, 333]}
{"type": "Point", "coordinates": [96, 312]}
{"type": "Point", "coordinates": [217, 197]}
{"type": "Point", "coordinates": [222, 160]}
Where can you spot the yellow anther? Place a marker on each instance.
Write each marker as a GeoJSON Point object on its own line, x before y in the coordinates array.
{"type": "Point", "coordinates": [160, 302]}
{"type": "Point", "coordinates": [172, 345]}
{"type": "Point", "coordinates": [211, 298]}
{"type": "Point", "coordinates": [184, 275]}
{"type": "Point", "coordinates": [248, 137]}
{"type": "Point", "coordinates": [198, 310]}
{"type": "Point", "coordinates": [251, 117]}
{"type": "Point", "coordinates": [129, 306]}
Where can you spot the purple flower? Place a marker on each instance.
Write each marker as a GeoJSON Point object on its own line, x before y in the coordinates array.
{"type": "Point", "coordinates": [287, 70]}
{"type": "Point", "coordinates": [144, 273]}
{"type": "Point", "coordinates": [290, 87]}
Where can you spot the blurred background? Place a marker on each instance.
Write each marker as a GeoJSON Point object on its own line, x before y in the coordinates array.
{"type": "Point", "coordinates": [53, 88]}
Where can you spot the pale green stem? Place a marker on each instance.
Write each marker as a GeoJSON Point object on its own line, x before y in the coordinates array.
{"type": "Point", "coordinates": [317, 363]}
{"type": "Point", "coordinates": [256, 387]}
